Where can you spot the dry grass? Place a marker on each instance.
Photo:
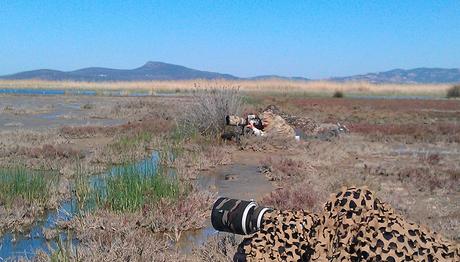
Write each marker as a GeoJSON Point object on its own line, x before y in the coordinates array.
{"type": "Point", "coordinates": [208, 111]}
{"type": "Point", "coordinates": [285, 168]}
{"type": "Point", "coordinates": [167, 217]}
{"type": "Point", "coordinates": [218, 248]}
{"type": "Point", "coordinates": [120, 244]}
{"type": "Point", "coordinates": [270, 85]}
{"type": "Point", "coordinates": [301, 196]}
{"type": "Point", "coordinates": [174, 217]}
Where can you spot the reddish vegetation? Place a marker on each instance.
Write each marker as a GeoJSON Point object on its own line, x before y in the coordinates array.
{"type": "Point", "coordinates": [379, 104]}
{"type": "Point", "coordinates": [431, 159]}
{"type": "Point", "coordinates": [301, 196]}
{"type": "Point", "coordinates": [50, 151]}
{"type": "Point", "coordinates": [432, 132]}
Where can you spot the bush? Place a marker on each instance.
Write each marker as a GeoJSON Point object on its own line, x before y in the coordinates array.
{"type": "Point", "coordinates": [453, 91]}
{"type": "Point", "coordinates": [209, 108]}
{"type": "Point", "coordinates": [338, 94]}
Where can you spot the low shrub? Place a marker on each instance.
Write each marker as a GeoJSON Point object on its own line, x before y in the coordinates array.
{"type": "Point", "coordinates": [338, 94]}
{"type": "Point", "coordinates": [218, 248]}
{"type": "Point", "coordinates": [301, 196]}
{"type": "Point", "coordinates": [188, 212]}
{"type": "Point", "coordinates": [51, 151]}
{"type": "Point", "coordinates": [453, 92]}
{"type": "Point", "coordinates": [209, 108]}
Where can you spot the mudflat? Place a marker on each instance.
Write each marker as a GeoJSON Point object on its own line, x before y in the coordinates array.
{"type": "Point", "coordinates": [406, 151]}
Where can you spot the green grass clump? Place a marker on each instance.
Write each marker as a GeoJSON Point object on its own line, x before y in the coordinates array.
{"type": "Point", "coordinates": [131, 190]}
{"type": "Point", "coordinates": [83, 193]}
{"type": "Point", "coordinates": [127, 188]}
{"type": "Point", "coordinates": [31, 186]}
{"type": "Point", "coordinates": [453, 92]}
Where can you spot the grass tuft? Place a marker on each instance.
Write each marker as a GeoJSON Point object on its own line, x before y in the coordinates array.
{"type": "Point", "coordinates": [31, 186]}
{"type": "Point", "coordinates": [128, 188]}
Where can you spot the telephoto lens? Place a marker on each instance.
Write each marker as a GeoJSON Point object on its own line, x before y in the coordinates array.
{"type": "Point", "coordinates": [237, 216]}
{"type": "Point", "coordinates": [235, 121]}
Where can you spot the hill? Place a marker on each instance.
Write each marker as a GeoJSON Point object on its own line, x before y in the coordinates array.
{"type": "Point", "coordinates": [149, 71]}
{"type": "Point", "coordinates": [411, 76]}
{"type": "Point", "coordinates": [164, 71]}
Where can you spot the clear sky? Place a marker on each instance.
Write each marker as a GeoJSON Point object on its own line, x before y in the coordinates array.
{"type": "Point", "coordinates": [313, 39]}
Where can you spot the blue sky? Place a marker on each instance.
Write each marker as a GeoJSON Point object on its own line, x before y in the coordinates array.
{"type": "Point", "coordinates": [314, 39]}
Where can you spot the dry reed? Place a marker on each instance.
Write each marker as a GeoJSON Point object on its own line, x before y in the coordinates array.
{"type": "Point", "coordinates": [269, 85]}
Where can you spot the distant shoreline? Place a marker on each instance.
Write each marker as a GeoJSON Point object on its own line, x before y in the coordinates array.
{"type": "Point", "coordinates": [273, 86]}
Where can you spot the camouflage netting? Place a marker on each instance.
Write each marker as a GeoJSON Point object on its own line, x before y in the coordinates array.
{"type": "Point", "coordinates": [353, 226]}
{"type": "Point", "coordinates": [309, 128]}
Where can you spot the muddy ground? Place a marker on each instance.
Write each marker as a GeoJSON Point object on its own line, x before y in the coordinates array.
{"type": "Point", "coordinates": [407, 151]}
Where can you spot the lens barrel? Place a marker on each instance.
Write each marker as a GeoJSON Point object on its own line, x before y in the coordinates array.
{"type": "Point", "coordinates": [235, 121]}
{"type": "Point", "coordinates": [237, 216]}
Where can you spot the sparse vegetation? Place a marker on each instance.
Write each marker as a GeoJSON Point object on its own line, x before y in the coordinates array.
{"type": "Point", "coordinates": [127, 142]}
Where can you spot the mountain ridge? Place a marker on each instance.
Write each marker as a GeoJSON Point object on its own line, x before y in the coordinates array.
{"type": "Point", "coordinates": [155, 70]}
{"type": "Point", "coordinates": [151, 70]}
{"type": "Point", "coordinates": [420, 75]}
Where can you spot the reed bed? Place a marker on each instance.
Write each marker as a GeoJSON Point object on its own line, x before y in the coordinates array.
{"type": "Point", "coordinates": [31, 186]}
{"type": "Point", "coordinates": [275, 86]}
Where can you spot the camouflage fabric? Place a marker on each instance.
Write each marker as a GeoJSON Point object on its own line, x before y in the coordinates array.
{"type": "Point", "coordinates": [275, 125]}
{"type": "Point", "coordinates": [309, 127]}
{"type": "Point", "coordinates": [353, 226]}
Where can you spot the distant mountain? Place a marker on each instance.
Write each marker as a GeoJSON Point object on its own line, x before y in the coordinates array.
{"type": "Point", "coordinates": [149, 71]}
{"type": "Point", "coordinates": [417, 75]}
{"type": "Point", "coordinates": [164, 71]}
